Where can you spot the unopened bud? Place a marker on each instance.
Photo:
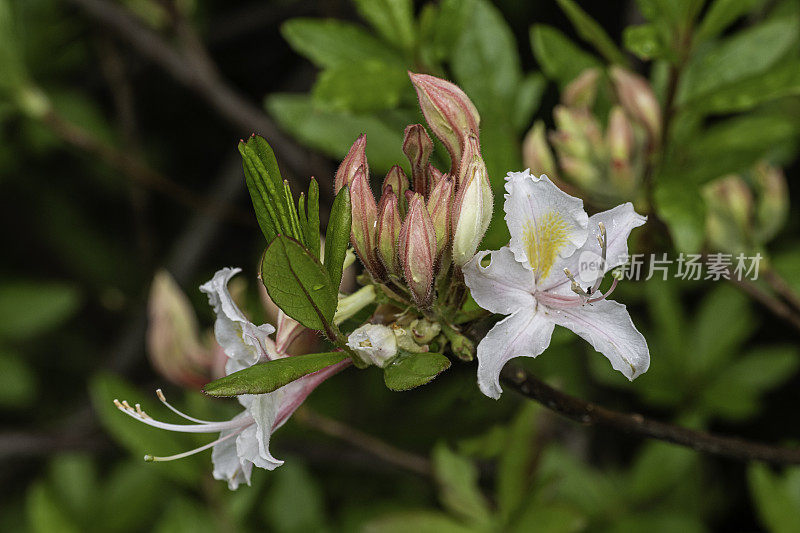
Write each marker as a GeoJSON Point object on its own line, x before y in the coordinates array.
{"type": "Point", "coordinates": [619, 135]}
{"type": "Point", "coordinates": [439, 207]}
{"type": "Point", "coordinates": [729, 204]}
{"type": "Point", "coordinates": [434, 176]}
{"type": "Point", "coordinates": [460, 345]}
{"type": "Point", "coordinates": [449, 112]}
{"type": "Point", "coordinates": [418, 251]}
{"type": "Point", "coordinates": [578, 134]}
{"type": "Point", "coordinates": [424, 331]}
{"type": "Point", "coordinates": [397, 180]}
{"type": "Point", "coordinates": [388, 233]}
{"type": "Point", "coordinates": [417, 146]}
{"type": "Point", "coordinates": [365, 221]}
{"type": "Point", "coordinates": [580, 171]}
{"type": "Point", "coordinates": [472, 209]}
{"type": "Point", "coordinates": [173, 340]}
{"type": "Point", "coordinates": [582, 91]}
{"type": "Point", "coordinates": [355, 158]}
{"type": "Point", "coordinates": [638, 99]}
{"type": "Point", "coordinates": [536, 153]}
{"type": "Point", "coordinates": [772, 209]}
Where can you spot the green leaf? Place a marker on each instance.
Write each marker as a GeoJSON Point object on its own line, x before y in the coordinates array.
{"type": "Point", "coordinates": [422, 521]}
{"type": "Point", "coordinates": [745, 54]}
{"type": "Point", "coordinates": [528, 98]}
{"type": "Point", "coordinates": [295, 501]}
{"type": "Point", "coordinates": [333, 43]}
{"type": "Point", "coordinates": [721, 14]}
{"type": "Point", "coordinates": [333, 133]}
{"type": "Point", "coordinates": [682, 209]}
{"type": "Point", "coordinates": [363, 87]}
{"type": "Point", "coordinates": [485, 61]}
{"type": "Point", "coordinates": [337, 236]}
{"type": "Point", "coordinates": [783, 80]}
{"type": "Point", "coordinates": [272, 375]}
{"type": "Point", "coordinates": [411, 370]}
{"type": "Point", "coordinates": [30, 308]}
{"type": "Point", "coordinates": [777, 504]}
{"type": "Point", "coordinates": [185, 515]}
{"type": "Point", "coordinates": [18, 383]}
{"type": "Point", "coordinates": [514, 469]}
{"type": "Point", "coordinates": [313, 238]}
{"type": "Point", "coordinates": [440, 27]}
{"type": "Point", "coordinates": [298, 283]}
{"type": "Point", "coordinates": [457, 478]}
{"type": "Point", "coordinates": [44, 512]}
{"type": "Point", "coordinates": [592, 32]}
{"type": "Point", "coordinates": [645, 41]}
{"type": "Point", "coordinates": [266, 187]}
{"type": "Point", "coordinates": [392, 19]}
{"type": "Point", "coordinates": [658, 468]}
{"type": "Point", "coordinates": [560, 59]}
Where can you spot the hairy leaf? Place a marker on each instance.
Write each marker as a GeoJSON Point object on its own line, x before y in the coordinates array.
{"type": "Point", "coordinates": [338, 236]}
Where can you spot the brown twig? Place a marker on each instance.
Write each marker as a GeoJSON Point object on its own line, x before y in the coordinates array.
{"type": "Point", "coordinates": [592, 414]}
{"type": "Point", "coordinates": [777, 307]}
{"type": "Point", "coordinates": [134, 169]}
{"type": "Point", "coordinates": [401, 458]}
{"type": "Point", "coordinates": [782, 287]}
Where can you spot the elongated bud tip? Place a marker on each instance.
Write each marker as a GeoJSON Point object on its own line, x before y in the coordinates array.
{"type": "Point", "coordinates": [536, 152]}
{"type": "Point", "coordinates": [581, 91]}
{"type": "Point", "coordinates": [417, 249]}
{"type": "Point", "coordinates": [638, 99]}
{"type": "Point", "coordinates": [355, 158]}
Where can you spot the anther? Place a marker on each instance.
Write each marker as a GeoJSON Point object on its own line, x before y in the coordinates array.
{"type": "Point", "coordinates": [161, 395]}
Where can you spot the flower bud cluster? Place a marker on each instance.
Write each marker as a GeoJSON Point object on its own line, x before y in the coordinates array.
{"type": "Point", "coordinates": [422, 224]}
{"type": "Point", "coordinates": [743, 212]}
{"type": "Point", "coordinates": [609, 161]}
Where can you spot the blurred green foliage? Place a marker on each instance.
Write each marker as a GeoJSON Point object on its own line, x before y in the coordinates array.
{"type": "Point", "coordinates": [83, 244]}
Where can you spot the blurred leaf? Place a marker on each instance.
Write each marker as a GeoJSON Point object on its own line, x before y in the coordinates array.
{"type": "Point", "coordinates": [745, 54]}
{"type": "Point", "coordinates": [11, 59]}
{"type": "Point", "coordinates": [44, 513]}
{"type": "Point", "coordinates": [337, 237]}
{"type": "Point", "coordinates": [787, 264]}
{"type": "Point", "coordinates": [658, 468]}
{"type": "Point", "coordinates": [184, 515]}
{"type": "Point", "coordinates": [393, 19]}
{"type": "Point", "coordinates": [721, 14]}
{"type": "Point", "coordinates": [734, 394]}
{"type": "Point", "coordinates": [590, 31]}
{"type": "Point", "coordinates": [73, 480]}
{"type": "Point", "coordinates": [272, 375]}
{"type": "Point", "coordinates": [334, 133]}
{"type": "Point", "coordinates": [333, 43]}
{"type": "Point", "coordinates": [560, 59]}
{"type": "Point", "coordinates": [776, 498]}
{"type": "Point", "coordinates": [669, 521]}
{"type": "Point", "coordinates": [529, 96]}
{"type": "Point", "coordinates": [782, 80]}
{"type": "Point", "coordinates": [294, 502]}
{"type": "Point", "coordinates": [417, 521]}
{"type": "Point", "coordinates": [440, 26]}
{"type": "Point", "coordinates": [682, 209]}
{"type": "Point", "coordinates": [298, 283]}
{"type": "Point", "coordinates": [411, 370]}
{"type": "Point", "coordinates": [458, 486]}
{"type": "Point", "coordinates": [18, 383]}
{"type": "Point", "coordinates": [514, 470]}
{"type": "Point", "coordinates": [130, 488]}
{"type": "Point", "coordinates": [645, 41]}
{"type": "Point", "coordinates": [138, 438]}
{"type": "Point", "coordinates": [29, 308]}
{"type": "Point", "coordinates": [360, 87]}
{"type": "Point", "coordinates": [548, 517]}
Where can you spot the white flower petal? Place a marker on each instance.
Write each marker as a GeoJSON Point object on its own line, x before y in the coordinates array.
{"type": "Point", "coordinates": [244, 342]}
{"type": "Point", "coordinates": [227, 465]}
{"type": "Point", "coordinates": [374, 343]}
{"type": "Point", "coordinates": [253, 443]}
{"type": "Point", "coordinates": [585, 263]}
{"type": "Point", "coordinates": [502, 287]}
{"type": "Point", "coordinates": [545, 223]}
{"type": "Point", "coordinates": [608, 327]}
{"type": "Point", "coordinates": [526, 333]}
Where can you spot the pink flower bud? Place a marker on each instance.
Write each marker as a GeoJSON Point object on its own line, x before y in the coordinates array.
{"type": "Point", "coordinates": [439, 204]}
{"type": "Point", "coordinates": [417, 146]}
{"type": "Point", "coordinates": [434, 176]}
{"type": "Point", "coordinates": [772, 209]}
{"type": "Point", "coordinates": [355, 158]}
{"type": "Point", "coordinates": [580, 171]}
{"type": "Point", "coordinates": [536, 153]}
{"type": "Point", "coordinates": [472, 209]}
{"type": "Point", "coordinates": [388, 233]}
{"type": "Point", "coordinates": [448, 111]}
{"type": "Point", "coordinates": [418, 251]}
{"type": "Point", "coordinates": [619, 135]}
{"type": "Point", "coordinates": [729, 203]}
{"type": "Point", "coordinates": [173, 338]}
{"type": "Point", "coordinates": [397, 180]}
{"type": "Point", "coordinates": [365, 221]}
{"type": "Point", "coordinates": [579, 133]}
{"type": "Point", "coordinates": [581, 91]}
{"type": "Point", "coordinates": [637, 99]}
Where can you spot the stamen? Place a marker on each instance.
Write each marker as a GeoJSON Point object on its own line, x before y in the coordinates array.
{"type": "Point", "coordinates": [607, 294]}
{"type": "Point", "coordinates": [576, 288]}
{"type": "Point", "coordinates": [200, 427]}
{"type": "Point", "coordinates": [181, 414]}
{"type": "Point", "coordinates": [602, 240]}
{"type": "Point", "coordinates": [155, 459]}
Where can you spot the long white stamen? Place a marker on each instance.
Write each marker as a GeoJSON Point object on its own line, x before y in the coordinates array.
{"type": "Point", "coordinates": [211, 427]}
{"type": "Point", "coordinates": [155, 459]}
{"type": "Point", "coordinates": [175, 410]}
{"type": "Point", "coordinates": [603, 241]}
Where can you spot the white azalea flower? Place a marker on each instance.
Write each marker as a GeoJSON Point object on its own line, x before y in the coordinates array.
{"type": "Point", "coordinates": [374, 343]}
{"type": "Point", "coordinates": [533, 280]}
{"type": "Point", "coordinates": [244, 440]}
